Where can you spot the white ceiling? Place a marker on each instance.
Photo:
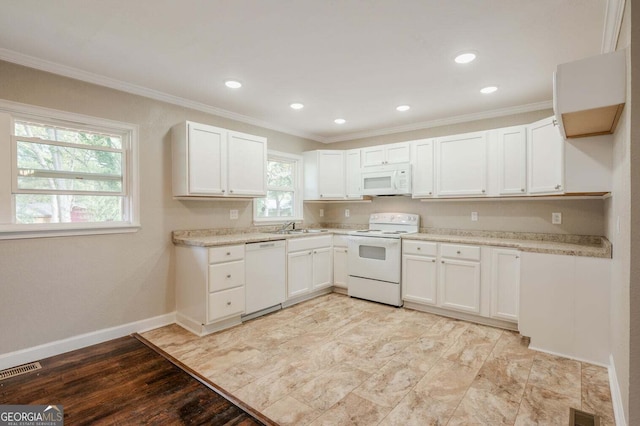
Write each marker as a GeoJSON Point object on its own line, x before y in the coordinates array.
{"type": "Point", "coordinates": [354, 59]}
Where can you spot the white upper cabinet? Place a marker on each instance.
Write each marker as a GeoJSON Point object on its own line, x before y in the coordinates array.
{"type": "Point", "coordinates": [246, 165]}
{"type": "Point", "coordinates": [324, 175]}
{"type": "Point", "coordinates": [461, 164]}
{"type": "Point", "coordinates": [423, 168]}
{"type": "Point", "coordinates": [352, 173]}
{"type": "Point", "coordinates": [545, 152]}
{"type": "Point", "coordinates": [396, 153]}
{"type": "Point", "coordinates": [210, 161]}
{"type": "Point", "coordinates": [512, 160]}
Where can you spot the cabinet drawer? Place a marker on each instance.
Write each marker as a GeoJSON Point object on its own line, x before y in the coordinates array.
{"type": "Point", "coordinates": [340, 241]}
{"type": "Point", "coordinates": [226, 253]}
{"type": "Point", "coordinates": [420, 248]}
{"type": "Point", "coordinates": [226, 303]}
{"type": "Point", "coordinates": [455, 251]}
{"type": "Point", "coordinates": [226, 275]}
{"type": "Point", "coordinates": [308, 243]}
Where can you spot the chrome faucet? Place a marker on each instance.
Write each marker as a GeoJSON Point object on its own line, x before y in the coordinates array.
{"type": "Point", "coordinates": [288, 224]}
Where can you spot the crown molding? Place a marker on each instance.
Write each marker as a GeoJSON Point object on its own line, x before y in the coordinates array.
{"type": "Point", "coordinates": [612, 23]}
{"type": "Point", "coordinates": [77, 74]}
{"type": "Point", "coordinates": [100, 80]}
{"type": "Point", "coordinates": [502, 112]}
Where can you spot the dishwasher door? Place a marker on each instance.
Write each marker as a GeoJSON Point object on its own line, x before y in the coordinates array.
{"type": "Point", "coordinates": [265, 272]}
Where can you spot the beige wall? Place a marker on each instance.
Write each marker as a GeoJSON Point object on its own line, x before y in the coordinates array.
{"type": "Point", "coordinates": [634, 229]}
{"type": "Point", "coordinates": [622, 230]}
{"type": "Point", "coordinates": [582, 217]}
{"type": "Point", "coordinates": [54, 288]}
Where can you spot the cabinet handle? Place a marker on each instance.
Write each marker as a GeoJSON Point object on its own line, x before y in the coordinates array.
{"type": "Point", "coordinates": [558, 186]}
{"type": "Point", "coordinates": [517, 257]}
{"type": "Point", "coordinates": [434, 261]}
{"type": "Point", "coordinates": [229, 276]}
{"type": "Point", "coordinates": [555, 122]}
{"type": "Point", "coordinates": [321, 195]}
{"type": "Point", "coordinates": [228, 303]}
{"type": "Point", "coordinates": [228, 253]}
{"type": "Point", "coordinates": [419, 248]}
{"type": "Point", "coordinates": [483, 191]}
{"type": "Point", "coordinates": [521, 189]}
{"type": "Point", "coordinates": [458, 252]}
{"type": "Point", "coordinates": [231, 191]}
{"type": "Point", "coordinates": [315, 252]}
{"type": "Point", "coordinates": [430, 193]}
{"type": "Point", "coordinates": [223, 191]}
{"type": "Point", "coordinates": [442, 261]}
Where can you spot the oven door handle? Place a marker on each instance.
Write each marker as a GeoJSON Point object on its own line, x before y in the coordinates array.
{"type": "Point", "coordinates": [374, 241]}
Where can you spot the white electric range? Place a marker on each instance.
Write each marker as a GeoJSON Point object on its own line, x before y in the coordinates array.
{"type": "Point", "coordinates": [374, 257]}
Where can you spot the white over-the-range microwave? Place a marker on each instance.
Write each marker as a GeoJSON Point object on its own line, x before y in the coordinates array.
{"type": "Point", "coordinates": [386, 180]}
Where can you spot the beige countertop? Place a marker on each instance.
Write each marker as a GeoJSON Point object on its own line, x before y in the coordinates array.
{"type": "Point", "coordinates": [571, 245]}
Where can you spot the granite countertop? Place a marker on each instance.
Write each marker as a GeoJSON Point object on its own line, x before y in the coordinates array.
{"type": "Point", "coordinates": [570, 245]}
{"type": "Point", "coordinates": [588, 248]}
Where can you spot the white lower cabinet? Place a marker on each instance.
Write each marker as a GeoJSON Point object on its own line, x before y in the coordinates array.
{"type": "Point", "coordinates": [340, 261]}
{"type": "Point", "coordinates": [419, 272]}
{"type": "Point", "coordinates": [505, 283]}
{"type": "Point", "coordinates": [465, 281]}
{"type": "Point", "coordinates": [210, 291]}
{"type": "Point", "coordinates": [309, 265]}
{"type": "Point", "coordinates": [564, 305]}
{"type": "Point", "coordinates": [460, 280]}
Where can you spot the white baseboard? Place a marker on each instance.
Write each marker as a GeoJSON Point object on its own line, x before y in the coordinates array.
{"type": "Point", "coordinates": [532, 346]}
{"type": "Point", "coordinates": [58, 347]}
{"type": "Point", "coordinates": [616, 396]}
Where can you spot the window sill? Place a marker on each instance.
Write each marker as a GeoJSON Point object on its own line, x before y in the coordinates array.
{"type": "Point", "coordinates": [17, 232]}
{"type": "Point", "coordinates": [261, 222]}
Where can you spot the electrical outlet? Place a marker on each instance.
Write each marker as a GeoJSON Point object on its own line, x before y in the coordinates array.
{"type": "Point", "coordinates": [474, 216]}
{"type": "Point", "coordinates": [347, 213]}
{"type": "Point", "coordinates": [233, 214]}
{"type": "Point", "coordinates": [321, 212]}
{"type": "Point", "coordinates": [556, 218]}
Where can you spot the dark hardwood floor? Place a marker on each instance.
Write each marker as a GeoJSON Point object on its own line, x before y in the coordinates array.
{"type": "Point", "coordinates": [125, 381]}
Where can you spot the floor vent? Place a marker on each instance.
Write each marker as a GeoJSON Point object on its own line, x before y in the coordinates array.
{"type": "Point", "coordinates": [21, 369]}
{"type": "Point", "coordinates": [580, 418]}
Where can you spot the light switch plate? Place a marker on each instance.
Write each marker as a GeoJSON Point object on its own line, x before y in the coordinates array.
{"type": "Point", "coordinates": [233, 214]}
{"type": "Point", "coordinates": [474, 216]}
{"type": "Point", "coordinates": [347, 213]}
{"type": "Point", "coordinates": [556, 218]}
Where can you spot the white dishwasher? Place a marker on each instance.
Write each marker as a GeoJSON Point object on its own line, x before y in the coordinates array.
{"type": "Point", "coordinates": [265, 272]}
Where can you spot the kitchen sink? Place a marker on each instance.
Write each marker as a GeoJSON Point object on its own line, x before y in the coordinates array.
{"type": "Point", "coordinates": [299, 231]}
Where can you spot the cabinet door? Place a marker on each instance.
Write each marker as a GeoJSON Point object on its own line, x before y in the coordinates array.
{"type": "Point", "coordinates": [352, 173]}
{"type": "Point", "coordinates": [331, 183]}
{"type": "Point", "coordinates": [373, 156]}
{"type": "Point", "coordinates": [462, 164]}
{"type": "Point", "coordinates": [206, 154]}
{"type": "Point", "coordinates": [419, 279]}
{"type": "Point", "coordinates": [422, 154]}
{"type": "Point", "coordinates": [340, 267]}
{"type": "Point", "coordinates": [505, 284]}
{"type": "Point", "coordinates": [322, 268]}
{"type": "Point", "coordinates": [545, 152]}
{"type": "Point", "coordinates": [398, 153]}
{"type": "Point", "coordinates": [460, 285]}
{"type": "Point", "coordinates": [512, 161]}
{"type": "Point", "coordinates": [247, 165]}
{"type": "Point", "coordinates": [299, 273]}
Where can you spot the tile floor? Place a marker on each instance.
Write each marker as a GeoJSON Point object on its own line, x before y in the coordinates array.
{"type": "Point", "coordinates": [335, 360]}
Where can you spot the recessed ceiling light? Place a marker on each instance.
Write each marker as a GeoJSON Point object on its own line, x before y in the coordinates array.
{"type": "Point", "coordinates": [339, 121]}
{"type": "Point", "coordinates": [233, 84]}
{"type": "Point", "coordinates": [403, 108]}
{"type": "Point", "coordinates": [296, 105]}
{"type": "Point", "coordinates": [488, 89]}
{"type": "Point", "coordinates": [465, 58]}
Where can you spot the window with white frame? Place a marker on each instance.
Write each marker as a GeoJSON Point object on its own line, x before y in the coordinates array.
{"type": "Point", "coordinates": [284, 189]}
{"type": "Point", "coordinates": [69, 174]}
